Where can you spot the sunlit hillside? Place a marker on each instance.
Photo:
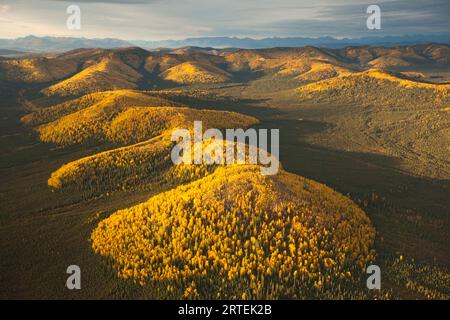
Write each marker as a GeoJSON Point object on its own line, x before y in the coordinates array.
{"type": "Point", "coordinates": [289, 61]}
{"type": "Point", "coordinates": [191, 72]}
{"type": "Point", "coordinates": [92, 70]}
{"type": "Point", "coordinates": [45, 69]}
{"type": "Point", "coordinates": [376, 87]}
{"type": "Point", "coordinates": [161, 63]}
{"type": "Point", "coordinates": [321, 71]}
{"type": "Point", "coordinates": [118, 98]}
{"type": "Point", "coordinates": [238, 234]}
{"type": "Point", "coordinates": [108, 74]}
{"type": "Point", "coordinates": [112, 120]}
{"type": "Point", "coordinates": [398, 57]}
{"type": "Point", "coordinates": [118, 169]}
{"type": "Point", "coordinates": [147, 129]}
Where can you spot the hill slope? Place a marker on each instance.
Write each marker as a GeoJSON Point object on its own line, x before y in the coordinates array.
{"type": "Point", "coordinates": [129, 117]}
{"type": "Point", "coordinates": [238, 234]}
{"type": "Point", "coordinates": [46, 69]}
{"type": "Point", "coordinates": [118, 98]}
{"type": "Point", "coordinates": [192, 72]}
{"type": "Point", "coordinates": [377, 87]}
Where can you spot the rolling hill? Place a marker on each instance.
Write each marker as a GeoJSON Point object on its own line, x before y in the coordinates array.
{"type": "Point", "coordinates": [364, 86]}
{"type": "Point", "coordinates": [110, 73]}
{"type": "Point", "coordinates": [118, 98]}
{"type": "Point", "coordinates": [237, 234]}
{"type": "Point", "coordinates": [48, 68]}
{"type": "Point", "coordinates": [83, 71]}
{"type": "Point", "coordinates": [192, 73]}
{"type": "Point", "coordinates": [398, 57]}
{"type": "Point", "coordinates": [120, 117]}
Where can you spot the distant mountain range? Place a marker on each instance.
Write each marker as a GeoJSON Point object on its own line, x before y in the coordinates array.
{"type": "Point", "coordinates": [327, 42]}
{"type": "Point", "coordinates": [59, 44]}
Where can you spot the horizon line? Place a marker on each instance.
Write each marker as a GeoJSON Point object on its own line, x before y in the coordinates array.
{"type": "Point", "coordinates": [236, 37]}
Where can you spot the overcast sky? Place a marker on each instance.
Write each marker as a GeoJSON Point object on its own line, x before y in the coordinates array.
{"type": "Point", "coordinates": [178, 19]}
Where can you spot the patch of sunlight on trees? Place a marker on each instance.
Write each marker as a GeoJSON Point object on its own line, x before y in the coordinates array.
{"type": "Point", "coordinates": [238, 233]}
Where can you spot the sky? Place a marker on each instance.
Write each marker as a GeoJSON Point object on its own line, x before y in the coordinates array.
{"type": "Point", "coordinates": [179, 19]}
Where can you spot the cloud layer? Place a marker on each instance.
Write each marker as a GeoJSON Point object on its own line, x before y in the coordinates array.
{"type": "Point", "coordinates": [176, 19]}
